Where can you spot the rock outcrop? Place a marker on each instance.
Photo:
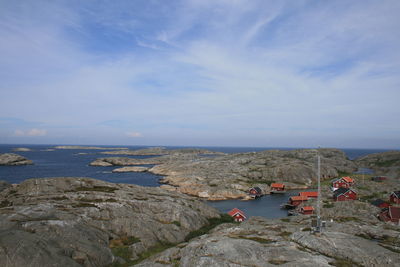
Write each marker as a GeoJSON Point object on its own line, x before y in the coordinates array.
{"type": "Point", "coordinates": [22, 149]}
{"type": "Point", "coordinates": [288, 242]}
{"type": "Point", "coordinates": [131, 169]}
{"type": "Point", "coordinates": [74, 221]}
{"type": "Point", "coordinates": [158, 151]}
{"type": "Point", "coordinates": [89, 147]}
{"type": "Point", "coordinates": [230, 176]}
{"type": "Point", "coordinates": [386, 163]}
{"type": "Point", "coordinates": [4, 185]}
{"type": "Point", "coordinates": [12, 159]}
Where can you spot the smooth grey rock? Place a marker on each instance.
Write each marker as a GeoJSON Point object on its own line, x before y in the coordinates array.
{"type": "Point", "coordinates": [74, 219]}
{"type": "Point", "coordinates": [12, 159]}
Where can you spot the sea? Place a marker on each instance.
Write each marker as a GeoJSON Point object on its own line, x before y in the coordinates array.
{"type": "Point", "coordinates": [51, 162]}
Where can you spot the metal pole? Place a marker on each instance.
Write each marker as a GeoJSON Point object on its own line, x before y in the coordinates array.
{"type": "Point", "coordinates": [319, 193]}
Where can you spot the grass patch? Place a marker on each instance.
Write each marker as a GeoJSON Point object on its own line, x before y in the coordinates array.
{"type": "Point", "coordinates": [60, 198]}
{"type": "Point", "coordinates": [328, 205]}
{"type": "Point", "coordinates": [268, 182]}
{"type": "Point", "coordinates": [152, 251]}
{"type": "Point", "coordinates": [348, 219]}
{"type": "Point", "coordinates": [124, 241]}
{"type": "Point", "coordinates": [307, 229]}
{"type": "Point", "coordinates": [387, 163]}
{"type": "Point", "coordinates": [106, 189]}
{"type": "Point", "coordinates": [257, 239]}
{"type": "Point", "coordinates": [343, 174]}
{"type": "Point", "coordinates": [285, 234]}
{"type": "Point", "coordinates": [177, 223]}
{"type": "Point", "coordinates": [84, 205]}
{"type": "Point", "coordinates": [212, 223]}
{"type": "Point", "coordinates": [5, 203]}
{"type": "Point", "coordinates": [277, 262]}
{"type": "Point", "coordinates": [285, 220]}
{"type": "Point", "coordinates": [343, 263]}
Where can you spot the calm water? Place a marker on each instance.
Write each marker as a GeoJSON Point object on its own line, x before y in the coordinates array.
{"type": "Point", "coordinates": [75, 163]}
{"type": "Point", "coordinates": [267, 206]}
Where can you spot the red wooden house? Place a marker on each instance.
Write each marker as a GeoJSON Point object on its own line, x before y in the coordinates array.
{"type": "Point", "coordinates": [344, 182]}
{"type": "Point", "coordinates": [277, 188]}
{"type": "Point", "coordinates": [343, 194]}
{"type": "Point", "coordinates": [309, 194]}
{"type": "Point", "coordinates": [395, 197]}
{"type": "Point", "coordinates": [255, 192]}
{"type": "Point", "coordinates": [307, 210]}
{"type": "Point", "coordinates": [380, 203]}
{"type": "Point", "coordinates": [392, 214]}
{"type": "Point", "coordinates": [237, 215]}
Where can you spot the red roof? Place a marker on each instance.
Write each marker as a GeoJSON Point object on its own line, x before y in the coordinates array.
{"type": "Point", "coordinates": [348, 179]}
{"type": "Point", "coordinates": [394, 212]}
{"type": "Point", "coordinates": [235, 211]}
{"type": "Point", "coordinates": [299, 198]}
{"type": "Point", "coordinates": [308, 208]}
{"type": "Point", "coordinates": [309, 194]}
{"type": "Point", "coordinates": [277, 185]}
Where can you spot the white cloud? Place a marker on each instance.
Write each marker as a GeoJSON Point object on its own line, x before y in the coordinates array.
{"type": "Point", "coordinates": [31, 132]}
{"type": "Point", "coordinates": [134, 134]}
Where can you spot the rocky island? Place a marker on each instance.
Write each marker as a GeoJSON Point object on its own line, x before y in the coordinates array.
{"type": "Point", "coordinates": [230, 176]}
{"type": "Point", "coordinates": [12, 159]}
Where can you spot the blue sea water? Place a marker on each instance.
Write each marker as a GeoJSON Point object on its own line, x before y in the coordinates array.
{"type": "Point", "coordinates": [75, 163]}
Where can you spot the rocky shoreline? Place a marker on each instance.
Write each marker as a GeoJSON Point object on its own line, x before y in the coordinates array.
{"type": "Point", "coordinates": [230, 176]}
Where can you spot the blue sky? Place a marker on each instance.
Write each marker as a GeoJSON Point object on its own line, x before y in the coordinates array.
{"type": "Point", "coordinates": [201, 73]}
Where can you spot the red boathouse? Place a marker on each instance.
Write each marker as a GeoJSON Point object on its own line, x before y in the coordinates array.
{"type": "Point", "coordinates": [297, 200]}
{"type": "Point", "coordinates": [237, 215]}
{"type": "Point", "coordinates": [309, 194]}
{"type": "Point", "coordinates": [343, 194]}
{"type": "Point", "coordinates": [277, 188]}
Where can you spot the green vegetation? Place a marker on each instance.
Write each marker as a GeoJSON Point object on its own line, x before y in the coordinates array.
{"type": "Point", "coordinates": [307, 229]}
{"type": "Point", "coordinates": [268, 182]}
{"type": "Point", "coordinates": [285, 220]}
{"type": "Point", "coordinates": [60, 198]}
{"type": "Point", "coordinates": [106, 189]}
{"type": "Point", "coordinates": [343, 263]}
{"type": "Point", "coordinates": [348, 219]}
{"type": "Point", "coordinates": [5, 203]}
{"type": "Point", "coordinates": [387, 163]}
{"type": "Point", "coordinates": [212, 223]}
{"type": "Point", "coordinates": [177, 223]}
{"type": "Point", "coordinates": [84, 205]}
{"type": "Point", "coordinates": [277, 262]}
{"type": "Point", "coordinates": [257, 239]}
{"type": "Point", "coordinates": [97, 200]}
{"type": "Point", "coordinates": [285, 234]}
{"type": "Point", "coordinates": [343, 174]}
{"type": "Point", "coordinates": [328, 205]}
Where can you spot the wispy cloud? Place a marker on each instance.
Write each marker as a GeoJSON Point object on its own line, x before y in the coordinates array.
{"type": "Point", "coordinates": [134, 134]}
{"type": "Point", "coordinates": [31, 132]}
{"type": "Point", "coordinates": [185, 71]}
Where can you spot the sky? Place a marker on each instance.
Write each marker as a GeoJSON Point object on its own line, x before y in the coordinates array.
{"type": "Point", "coordinates": [259, 73]}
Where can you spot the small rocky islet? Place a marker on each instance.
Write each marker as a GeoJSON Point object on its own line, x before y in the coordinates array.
{"type": "Point", "coordinates": [87, 222]}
